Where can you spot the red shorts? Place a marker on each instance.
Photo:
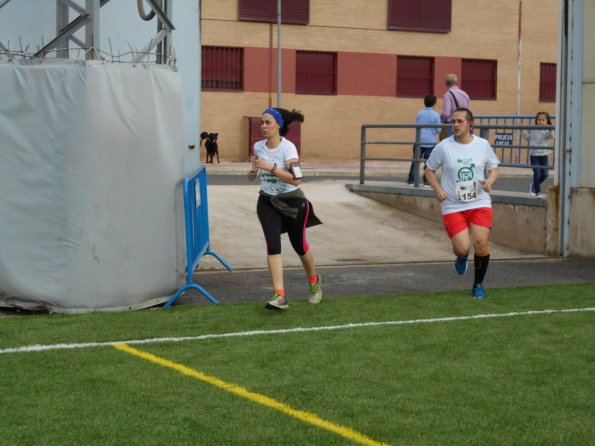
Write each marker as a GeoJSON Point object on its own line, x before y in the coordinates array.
{"type": "Point", "coordinates": [458, 221]}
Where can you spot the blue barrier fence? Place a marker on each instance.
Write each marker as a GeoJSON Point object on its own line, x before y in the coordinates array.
{"type": "Point", "coordinates": [196, 217]}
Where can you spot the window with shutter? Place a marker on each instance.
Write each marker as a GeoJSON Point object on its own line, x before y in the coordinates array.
{"type": "Point", "coordinates": [222, 68]}
{"type": "Point", "coordinates": [547, 82]}
{"type": "Point", "coordinates": [420, 15]}
{"type": "Point", "coordinates": [415, 76]}
{"type": "Point", "coordinates": [296, 12]}
{"type": "Point", "coordinates": [478, 78]}
{"type": "Point", "coordinates": [315, 72]}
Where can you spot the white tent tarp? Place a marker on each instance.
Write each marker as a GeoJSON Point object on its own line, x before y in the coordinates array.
{"type": "Point", "coordinates": [91, 163]}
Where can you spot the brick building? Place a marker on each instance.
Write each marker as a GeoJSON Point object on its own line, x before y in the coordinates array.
{"type": "Point", "coordinates": [351, 62]}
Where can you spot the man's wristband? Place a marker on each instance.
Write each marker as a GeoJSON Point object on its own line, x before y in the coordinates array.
{"type": "Point", "coordinates": [274, 168]}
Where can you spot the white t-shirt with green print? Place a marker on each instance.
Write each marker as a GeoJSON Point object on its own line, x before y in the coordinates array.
{"type": "Point", "coordinates": [464, 167]}
{"type": "Point", "coordinates": [286, 150]}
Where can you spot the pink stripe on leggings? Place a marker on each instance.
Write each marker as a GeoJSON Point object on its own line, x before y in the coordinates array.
{"type": "Point", "coordinates": [305, 245]}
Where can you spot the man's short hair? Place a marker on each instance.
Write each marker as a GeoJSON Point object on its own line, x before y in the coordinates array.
{"type": "Point", "coordinates": [429, 100]}
{"type": "Point", "coordinates": [468, 113]}
{"type": "Point", "coordinates": [451, 80]}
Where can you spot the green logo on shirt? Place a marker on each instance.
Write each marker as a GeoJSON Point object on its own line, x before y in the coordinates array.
{"type": "Point", "coordinates": [465, 173]}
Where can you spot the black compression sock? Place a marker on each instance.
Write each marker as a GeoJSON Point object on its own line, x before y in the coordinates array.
{"type": "Point", "coordinates": [481, 267]}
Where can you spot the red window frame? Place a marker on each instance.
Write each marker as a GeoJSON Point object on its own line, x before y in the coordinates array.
{"type": "Point", "coordinates": [415, 76]}
{"type": "Point", "coordinates": [316, 72]}
{"type": "Point", "coordinates": [222, 68]}
{"type": "Point", "coordinates": [420, 15]}
{"type": "Point", "coordinates": [294, 12]}
{"type": "Point", "coordinates": [479, 78]}
{"type": "Point", "coordinates": [547, 82]}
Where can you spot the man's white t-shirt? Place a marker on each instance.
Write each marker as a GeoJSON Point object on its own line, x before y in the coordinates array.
{"type": "Point", "coordinates": [463, 169]}
{"type": "Point", "coordinates": [286, 150]}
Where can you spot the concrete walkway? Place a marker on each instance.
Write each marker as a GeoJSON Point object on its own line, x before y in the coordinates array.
{"type": "Point", "coordinates": [356, 230]}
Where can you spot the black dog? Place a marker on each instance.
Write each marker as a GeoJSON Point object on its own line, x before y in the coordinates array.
{"type": "Point", "coordinates": [210, 140]}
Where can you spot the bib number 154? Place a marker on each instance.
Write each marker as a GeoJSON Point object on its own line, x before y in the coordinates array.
{"type": "Point", "coordinates": [466, 191]}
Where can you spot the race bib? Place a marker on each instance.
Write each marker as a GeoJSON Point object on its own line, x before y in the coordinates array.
{"type": "Point", "coordinates": [466, 191]}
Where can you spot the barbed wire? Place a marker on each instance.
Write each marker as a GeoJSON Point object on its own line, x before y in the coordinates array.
{"type": "Point", "coordinates": [129, 56]}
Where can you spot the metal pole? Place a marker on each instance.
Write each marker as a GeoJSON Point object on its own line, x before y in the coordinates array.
{"type": "Point", "coordinates": [362, 157]}
{"type": "Point", "coordinates": [279, 54]}
{"type": "Point", "coordinates": [561, 110]}
{"type": "Point", "coordinates": [92, 28]}
{"type": "Point", "coordinates": [519, 59]}
{"type": "Point", "coordinates": [571, 113]}
{"type": "Point", "coordinates": [416, 156]}
{"type": "Point", "coordinates": [61, 22]}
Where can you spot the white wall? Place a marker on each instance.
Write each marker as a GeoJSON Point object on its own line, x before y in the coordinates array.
{"type": "Point", "coordinates": [33, 22]}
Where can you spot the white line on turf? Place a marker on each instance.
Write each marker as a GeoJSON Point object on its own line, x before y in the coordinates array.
{"type": "Point", "coordinates": [70, 346]}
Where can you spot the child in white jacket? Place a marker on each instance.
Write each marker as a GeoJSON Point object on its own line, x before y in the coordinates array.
{"type": "Point", "coordinates": [542, 142]}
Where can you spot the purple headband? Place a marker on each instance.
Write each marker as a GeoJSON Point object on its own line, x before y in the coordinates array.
{"type": "Point", "coordinates": [275, 114]}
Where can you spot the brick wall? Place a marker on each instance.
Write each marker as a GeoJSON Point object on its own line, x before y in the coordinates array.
{"type": "Point", "coordinates": [356, 30]}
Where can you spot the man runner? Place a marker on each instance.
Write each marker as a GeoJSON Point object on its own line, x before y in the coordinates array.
{"type": "Point", "coordinates": [469, 169]}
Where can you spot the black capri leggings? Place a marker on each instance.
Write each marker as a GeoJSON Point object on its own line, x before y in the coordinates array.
{"type": "Point", "coordinates": [275, 223]}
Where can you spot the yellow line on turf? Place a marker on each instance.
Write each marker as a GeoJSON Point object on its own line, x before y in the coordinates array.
{"type": "Point", "coordinates": [302, 415]}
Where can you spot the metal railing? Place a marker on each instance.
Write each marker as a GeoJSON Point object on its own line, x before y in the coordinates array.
{"type": "Point", "coordinates": [196, 217]}
{"type": "Point", "coordinates": [505, 141]}
{"type": "Point", "coordinates": [509, 153]}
